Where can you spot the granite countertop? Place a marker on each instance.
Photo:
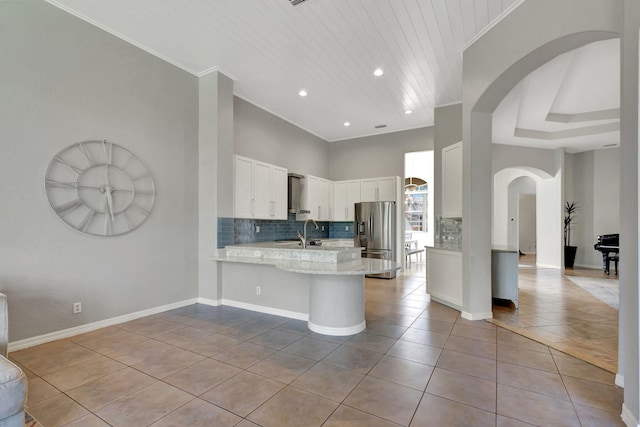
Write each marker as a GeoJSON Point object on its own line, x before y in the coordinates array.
{"type": "Point", "coordinates": [291, 251]}
{"type": "Point", "coordinates": [503, 248]}
{"type": "Point", "coordinates": [333, 258]}
{"type": "Point", "coordinates": [345, 268]}
{"type": "Point", "coordinates": [447, 246]}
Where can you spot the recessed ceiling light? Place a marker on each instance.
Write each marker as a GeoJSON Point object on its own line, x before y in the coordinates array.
{"type": "Point", "coordinates": [302, 93]}
{"type": "Point", "coordinates": [408, 111]}
{"type": "Point", "coordinates": [378, 72]}
{"type": "Point", "coordinates": [347, 124]}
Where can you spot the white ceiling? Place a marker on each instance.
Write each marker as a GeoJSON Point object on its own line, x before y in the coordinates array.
{"type": "Point", "coordinates": [330, 48]}
{"type": "Point", "coordinates": [572, 101]}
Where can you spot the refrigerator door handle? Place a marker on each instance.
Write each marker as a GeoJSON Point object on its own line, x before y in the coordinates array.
{"type": "Point", "coordinates": [383, 252]}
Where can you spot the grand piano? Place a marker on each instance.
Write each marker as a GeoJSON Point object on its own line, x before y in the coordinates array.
{"type": "Point", "coordinates": [609, 245]}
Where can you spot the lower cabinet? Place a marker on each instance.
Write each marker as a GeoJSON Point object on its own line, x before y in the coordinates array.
{"type": "Point", "coordinates": [444, 276]}
{"type": "Point", "coordinates": [504, 275]}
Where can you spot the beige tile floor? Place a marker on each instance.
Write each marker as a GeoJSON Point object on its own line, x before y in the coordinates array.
{"type": "Point", "coordinates": [562, 315]}
{"type": "Point", "coordinates": [417, 364]}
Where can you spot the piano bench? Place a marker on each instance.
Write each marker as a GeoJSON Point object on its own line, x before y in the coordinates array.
{"type": "Point", "coordinates": [615, 258]}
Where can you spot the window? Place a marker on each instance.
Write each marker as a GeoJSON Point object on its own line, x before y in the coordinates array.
{"type": "Point", "coordinates": [416, 204]}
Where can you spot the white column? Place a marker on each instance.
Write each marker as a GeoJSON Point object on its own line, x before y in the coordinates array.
{"type": "Point", "coordinates": [215, 192]}
{"type": "Point", "coordinates": [476, 222]}
{"type": "Point", "coordinates": [628, 345]}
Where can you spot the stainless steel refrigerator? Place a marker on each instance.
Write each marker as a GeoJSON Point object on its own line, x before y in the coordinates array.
{"type": "Point", "coordinates": [375, 231]}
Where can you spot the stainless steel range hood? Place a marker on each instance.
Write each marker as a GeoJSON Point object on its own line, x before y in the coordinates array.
{"type": "Point", "coordinates": [294, 195]}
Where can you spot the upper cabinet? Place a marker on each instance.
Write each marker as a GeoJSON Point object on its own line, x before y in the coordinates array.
{"type": "Point", "coordinates": [317, 198]}
{"type": "Point", "coordinates": [379, 189]}
{"type": "Point", "coordinates": [347, 193]}
{"type": "Point", "coordinates": [452, 181]}
{"type": "Point", "coordinates": [260, 190]}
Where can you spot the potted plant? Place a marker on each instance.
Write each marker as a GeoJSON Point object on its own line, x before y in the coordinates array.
{"type": "Point", "coordinates": [570, 209]}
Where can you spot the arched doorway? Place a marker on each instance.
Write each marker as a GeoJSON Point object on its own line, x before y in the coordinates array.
{"type": "Point", "coordinates": [532, 35]}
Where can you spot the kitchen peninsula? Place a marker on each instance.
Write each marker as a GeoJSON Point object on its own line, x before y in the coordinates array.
{"type": "Point", "coordinates": [323, 285]}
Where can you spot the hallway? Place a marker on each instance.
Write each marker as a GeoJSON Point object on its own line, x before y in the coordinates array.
{"type": "Point", "coordinates": [562, 315]}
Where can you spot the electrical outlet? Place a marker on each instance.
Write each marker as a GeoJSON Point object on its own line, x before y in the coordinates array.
{"type": "Point", "coordinates": [346, 228]}
{"type": "Point", "coordinates": [323, 228]}
{"type": "Point", "coordinates": [258, 290]}
{"type": "Point", "coordinates": [77, 307]}
{"type": "Point", "coordinates": [257, 228]}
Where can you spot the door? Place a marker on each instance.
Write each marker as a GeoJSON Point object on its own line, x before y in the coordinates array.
{"type": "Point", "coordinates": [340, 204]}
{"type": "Point", "coordinates": [352, 197]}
{"type": "Point", "coordinates": [387, 189]}
{"type": "Point", "coordinates": [261, 190]}
{"type": "Point", "coordinates": [368, 189]}
{"type": "Point", "coordinates": [279, 192]}
{"type": "Point", "coordinates": [243, 187]}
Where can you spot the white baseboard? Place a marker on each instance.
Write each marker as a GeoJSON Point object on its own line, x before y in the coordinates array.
{"type": "Point", "coordinates": [627, 417]}
{"type": "Point", "coordinates": [591, 266]}
{"type": "Point", "coordinates": [620, 380]}
{"type": "Point", "coordinates": [548, 266]}
{"type": "Point", "coordinates": [267, 310]}
{"type": "Point", "coordinates": [338, 332]}
{"type": "Point", "coordinates": [77, 330]}
{"type": "Point", "coordinates": [477, 316]}
{"type": "Point", "coordinates": [211, 302]}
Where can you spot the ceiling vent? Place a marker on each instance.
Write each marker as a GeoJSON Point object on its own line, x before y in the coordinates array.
{"type": "Point", "coordinates": [296, 2]}
{"type": "Point", "coordinates": [380, 126]}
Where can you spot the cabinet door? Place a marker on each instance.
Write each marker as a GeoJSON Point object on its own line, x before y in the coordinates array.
{"type": "Point", "coordinates": [452, 181]}
{"type": "Point", "coordinates": [243, 187]}
{"type": "Point", "coordinates": [387, 189]}
{"type": "Point", "coordinates": [310, 189]}
{"type": "Point", "coordinates": [324, 211]}
{"type": "Point", "coordinates": [353, 197]}
{"type": "Point", "coordinates": [369, 189]}
{"type": "Point", "coordinates": [261, 190]}
{"type": "Point", "coordinates": [340, 206]}
{"type": "Point", "coordinates": [278, 193]}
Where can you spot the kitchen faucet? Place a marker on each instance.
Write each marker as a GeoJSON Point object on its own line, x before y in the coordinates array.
{"type": "Point", "coordinates": [303, 239]}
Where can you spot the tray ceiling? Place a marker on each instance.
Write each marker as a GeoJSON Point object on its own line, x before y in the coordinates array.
{"type": "Point", "coordinates": [330, 48]}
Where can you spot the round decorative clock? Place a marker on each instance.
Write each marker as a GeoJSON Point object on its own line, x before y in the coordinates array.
{"type": "Point", "coordinates": [99, 188]}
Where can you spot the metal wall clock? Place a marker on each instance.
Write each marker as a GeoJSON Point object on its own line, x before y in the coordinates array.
{"type": "Point", "coordinates": [99, 188]}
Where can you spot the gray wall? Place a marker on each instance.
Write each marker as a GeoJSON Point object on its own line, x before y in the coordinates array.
{"type": "Point", "coordinates": [260, 135]}
{"type": "Point", "coordinates": [593, 180]}
{"type": "Point", "coordinates": [448, 130]}
{"type": "Point", "coordinates": [527, 223]}
{"type": "Point", "coordinates": [629, 359]}
{"type": "Point", "coordinates": [63, 81]}
{"type": "Point", "coordinates": [509, 156]}
{"type": "Point", "coordinates": [374, 156]}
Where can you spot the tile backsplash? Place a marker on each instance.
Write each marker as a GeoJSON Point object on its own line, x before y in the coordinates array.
{"type": "Point", "coordinates": [236, 230]}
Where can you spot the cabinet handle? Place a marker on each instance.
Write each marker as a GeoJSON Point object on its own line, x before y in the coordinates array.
{"type": "Point", "coordinates": [329, 213]}
{"type": "Point", "coordinates": [252, 210]}
{"type": "Point", "coordinates": [346, 213]}
{"type": "Point", "coordinates": [319, 211]}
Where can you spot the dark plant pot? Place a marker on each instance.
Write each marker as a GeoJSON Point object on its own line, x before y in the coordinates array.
{"type": "Point", "coordinates": [569, 256]}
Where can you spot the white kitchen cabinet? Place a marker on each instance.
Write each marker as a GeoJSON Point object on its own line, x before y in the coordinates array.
{"type": "Point", "coordinates": [379, 189]}
{"type": "Point", "coordinates": [444, 276]}
{"type": "Point", "coordinates": [243, 188]}
{"type": "Point", "coordinates": [347, 193]}
{"type": "Point", "coordinates": [452, 181]}
{"type": "Point", "coordinates": [260, 190]}
{"type": "Point", "coordinates": [317, 198]}
{"type": "Point", "coordinates": [279, 183]}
